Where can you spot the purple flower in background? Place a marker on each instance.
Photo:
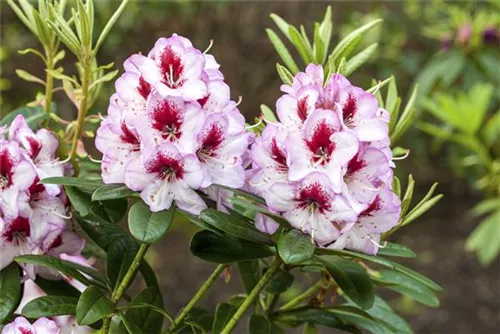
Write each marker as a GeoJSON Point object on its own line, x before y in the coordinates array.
{"type": "Point", "coordinates": [491, 35]}
{"type": "Point", "coordinates": [326, 165]}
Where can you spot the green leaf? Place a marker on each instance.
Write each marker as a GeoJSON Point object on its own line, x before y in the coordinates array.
{"type": "Point", "coordinates": [80, 200]}
{"type": "Point", "coordinates": [319, 49]}
{"type": "Point", "coordinates": [197, 221]}
{"type": "Point", "coordinates": [82, 183]}
{"type": "Point", "coordinates": [386, 263]}
{"type": "Point", "coordinates": [252, 209]}
{"type": "Point", "coordinates": [347, 45]}
{"type": "Point", "coordinates": [391, 249]}
{"type": "Point", "coordinates": [421, 209]}
{"type": "Point", "coordinates": [309, 328]}
{"type": "Point", "coordinates": [105, 78]}
{"type": "Point", "coordinates": [225, 248]}
{"type": "Point", "coordinates": [307, 314]}
{"type": "Point", "coordinates": [295, 247]}
{"type": "Point", "coordinates": [33, 115]}
{"type": "Point", "coordinates": [147, 226]}
{"type": "Point", "coordinates": [485, 239]}
{"type": "Point", "coordinates": [64, 267]}
{"type": "Point", "coordinates": [50, 306]}
{"type": "Point", "coordinates": [325, 30]}
{"type": "Point", "coordinates": [282, 280]}
{"type": "Point", "coordinates": [130, 326]}
{"type": "Point", "coordinates": [245, 194]}
{"type": "Point", "coordinates": [407, 117]}
{"type": "Point", "coordinates": [249, 273]}
{"type": "Point", "coordinates": [112, 191]}
{"type": "Point", "coordinates": [235, 226]}
{"type": "Point", "coordinates": [352, 278]}
{"type": "Point", "coordinates": [409, 287]}
{"type": "Point", "coordinates": [10, 290]}
{"type": "Point", "coordinates": [29, 77]}
{"type": "Point", "coordinates": [282, 25]}
{"type": "Point", "coordinates": [359, 59]}
{"type": "Point", "coordinates": [384, 313]}
{"type": "Point", "coordinates": [57, 288]}
{"type": "Point", "coordinates": [359, 318]}
{"type": "Point", "coordinates": [284, 74]}
{"type": "Point", "coordinates": [408, 196]}
{"type": "Point", "coordinates": [258, 324]}
{"type": "Point", "coordinates": [114, 209]}
{"type": "Point", "coordinates": [223, 313]}
{"type": "Point", "coordinates": [146, 318]}
{"type": "Point", "coordinates": [92, 306]}
{"type": "Point", "coordinates": [121, 253]}
{"type": "Point", "coordinates": [300, 44]}
{"type": "Point", "coordinates": [268, 113]}
{"type": "Point", "coordinates": [282, 51]}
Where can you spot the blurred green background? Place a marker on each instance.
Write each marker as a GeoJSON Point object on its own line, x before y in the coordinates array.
{"type": "Point", "coordinates": [430, 43]}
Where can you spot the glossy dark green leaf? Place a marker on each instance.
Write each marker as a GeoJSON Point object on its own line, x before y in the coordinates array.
{"type": "Point", "coordinates": [235, 226]}
{"type": "Point", "coordinates": [146, 318]}
{"type": "Point", "coordinates": [10, 290]}
{"type": "Point", "coordinates": [200, 319]}
{"type": "Point", "coordinates": [82, 183]}
{"type": "Point", "coordinates": [115, 209]}
{"type": "Point", "coordinates": [223, 314]}
{"type": "Point", "coordinates": [359, 318]}
{"type": "Point", "coordinates": [396, 250]}
{"type": "Point", "coordinates": [281, 281]}
{"type": "Point", "coordinates": [57, 288]}
{"type": "Point", "coordinates": [197, 221]}
{"type": "Point", "coordinates": [386, 263]}
{"type": "Point", "coordinates": [250, 209]}
{"type": "Point", "coordinates": [148, 275]}
{"type": "Point", "coordinates": [250, 274]}
{"type": "Point", "coordinates": [352, 278]}
{"type": "Point", "coordinates": [409, 287]}
{"type": "Point", "coordinates": [101, 232]}
{"type": "Point", "coordinates": [225, 248]}
{"type": "Point", "coordinates": [121, 253]}
{"type": "Point", "coordinates": [65, 267]}
{"type": "Point", "coordinates": [383, 312]}
{"type": "Point", "coordinates": [80, 200]}
{"type": "Point", "coordinates": [301, 315]}
{"type": "Point", "coordinates": [251, 197]}
{"type": "Point", "coordinates": [33, 115]}
{"type": "Point", "coordinates": [130, 326]}
{"type": "Point", "coordinates": [258, 324]}
{"type": "Point", "coordinates": [295, 247]}
{"type": "Point", "coordinates": [92, 306]}
{"type": "Point", "coordinates": [50, 306]}
{"type": "Point", "coordinates": [112, 191]}
{"type": "Point", "coordinates": [147, 226]}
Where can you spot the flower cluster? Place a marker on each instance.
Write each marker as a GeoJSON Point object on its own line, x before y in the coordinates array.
{"type": "Point", "coordinates": [33, 218]}
{"type": "Point", "coordinates": [326, 166]}
{"type": "Point", "coordinates": [172, 128]}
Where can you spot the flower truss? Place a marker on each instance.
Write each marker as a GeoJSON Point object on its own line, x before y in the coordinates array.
{"type": "Point", "coordinates": [326, 165]}
{"type": "Point", "coordinates": [33, 216]}
{"type": "Point", "coordinates": [172, 129]}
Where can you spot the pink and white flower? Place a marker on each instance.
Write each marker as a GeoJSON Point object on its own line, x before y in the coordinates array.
{"type": "Point", "coordinates": [322, 146]}
{"type": "Point", "coordinates": [16, 175]}
{"type": "Point", "coordinates": [381, 215]}
{"type": "Point", "coordinates": [311, 206]}
{"type": "Point", "coordinates": [174, 67]}
{"type": "Point", "coordinates": [165, 176]}
{"type": "Point", "coordinates": [22, 326]}
{"type": "Point", "coordinates": [220, 154]}
{"type": "Point", "coordinates": [269, 160]}
{"type": "Point", "coordinates": [41, 150]}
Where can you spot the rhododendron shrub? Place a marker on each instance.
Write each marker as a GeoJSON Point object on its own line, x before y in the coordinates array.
{"type": "Point", "coordinates": [309, 186]}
